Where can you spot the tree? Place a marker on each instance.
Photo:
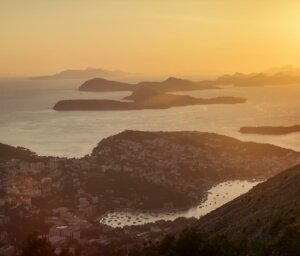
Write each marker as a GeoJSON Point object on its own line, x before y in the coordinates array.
{"type": "Point", "coordinates": [37, 246]}
{"type": "Point", "coordinates": [65, 252]}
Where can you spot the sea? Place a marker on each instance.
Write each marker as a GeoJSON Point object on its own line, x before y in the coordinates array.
{"type": "Point", "coordinates": [217, 196]}
{"type": "Point", "coordinates": [27, 117]}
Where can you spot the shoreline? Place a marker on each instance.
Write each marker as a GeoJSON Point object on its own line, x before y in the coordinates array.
{"type": "Point", "coordinates": [173, 211]}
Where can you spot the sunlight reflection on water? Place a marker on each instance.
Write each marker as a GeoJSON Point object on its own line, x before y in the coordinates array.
{"type": "Point", "coordinates": [217, 196]}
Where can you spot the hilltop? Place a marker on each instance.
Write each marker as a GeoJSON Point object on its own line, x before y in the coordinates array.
{"type": "Point", "coordinates": [190, 162]}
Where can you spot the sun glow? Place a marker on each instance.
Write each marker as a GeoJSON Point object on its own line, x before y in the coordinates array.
{"type": "Point", "coordinates": [183, 37]}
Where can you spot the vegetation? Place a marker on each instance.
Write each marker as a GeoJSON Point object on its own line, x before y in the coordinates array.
{"type": "Point", "coordinates": [40, 246]}
{"type": "Point", "coordinates": [134, 190]}
{"type": "Point", "coordinates": [36, 246]}
{"type": "Point", "coordinates": [9, 152]}
{"type": "Point", "coordinates": [192, 243]}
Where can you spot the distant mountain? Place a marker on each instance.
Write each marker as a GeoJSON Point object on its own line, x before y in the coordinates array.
{"type": "Point", "coordinates": [283, 77]}
{"type": "Point", "coordinates": [287, 70]}
{"type": "Point", "coordinates": [169, 85]}
{"type": "Point", "coordinates": [84, 74]}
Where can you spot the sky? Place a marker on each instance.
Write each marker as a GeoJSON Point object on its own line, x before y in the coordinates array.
{"type": "Point", "coordinates": [165, 37]}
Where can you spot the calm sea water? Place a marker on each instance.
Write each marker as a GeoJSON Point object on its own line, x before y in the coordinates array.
{"type": "Point", "coordinates": [217, 196]}
{"type": "Point", "coordinates": [27, 118]}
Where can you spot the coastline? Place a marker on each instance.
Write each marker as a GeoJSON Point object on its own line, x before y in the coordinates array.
{"type": "Point", "coordinates": [166, 214]}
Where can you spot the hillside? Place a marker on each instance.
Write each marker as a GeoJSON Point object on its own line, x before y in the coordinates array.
{"type": "Point", "coordinates": [9, 152]}
{"type": "Point", "coordinates": [264, 221]}
{"type": "Point", "coordinates": [190, 162]}
{"type": "Point", "coordinates": [263, 212]}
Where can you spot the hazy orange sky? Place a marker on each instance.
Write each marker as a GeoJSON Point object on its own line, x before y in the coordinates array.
{"type": "Point", "coordinates": [171, 37]}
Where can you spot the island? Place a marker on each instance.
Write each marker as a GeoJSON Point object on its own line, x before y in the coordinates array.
{"type": "Point", "coordinates": [270, 130]}
{"type": "Point", "coordinates": [171, 84]}
{"type": "Point", "coordinates": [277, 76]}
{"type": "Point", "coordinates": [143, 99]}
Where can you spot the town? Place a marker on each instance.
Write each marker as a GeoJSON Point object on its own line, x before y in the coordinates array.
{"type": "Point", "coordinates": [64, 199]}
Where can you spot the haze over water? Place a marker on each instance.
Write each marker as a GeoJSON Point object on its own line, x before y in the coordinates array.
{"type": "Point", "coordinates": [27, 118]}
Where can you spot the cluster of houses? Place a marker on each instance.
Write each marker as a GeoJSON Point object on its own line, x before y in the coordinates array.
{"type": "Point", "coordinates": [187, 167]}
{"type": "Point", "coordinates": [71, 216]}
{"type": "Point", "coordinates": [24, 182]}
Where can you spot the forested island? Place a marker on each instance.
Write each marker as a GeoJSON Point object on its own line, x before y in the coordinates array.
{"type": "Point", "coordinates": [144, 99]}
{"type": "Point", "coordinates": [270, 130]}
{"type": "Point", "coordinates": [173, 84]}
